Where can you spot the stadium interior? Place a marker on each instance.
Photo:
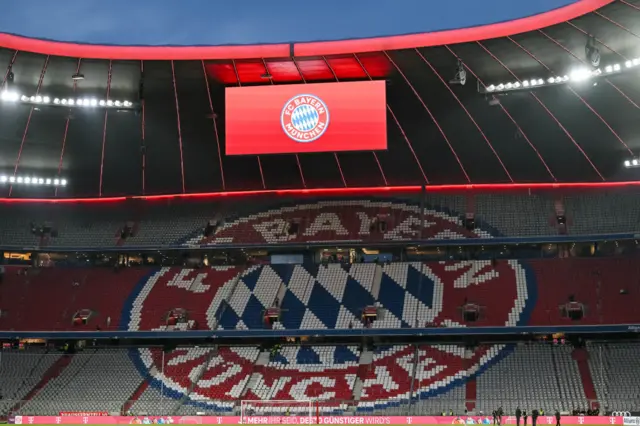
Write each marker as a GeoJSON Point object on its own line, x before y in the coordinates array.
{"type": "Point", "coordinates": [487, 261]}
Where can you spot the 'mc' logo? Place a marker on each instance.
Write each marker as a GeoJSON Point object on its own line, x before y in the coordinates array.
{"type": "Point", "coordinates": [304, 118]}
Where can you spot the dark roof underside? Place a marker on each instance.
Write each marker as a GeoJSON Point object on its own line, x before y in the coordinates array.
{"type": "Point", "coordinates": [444, 134]}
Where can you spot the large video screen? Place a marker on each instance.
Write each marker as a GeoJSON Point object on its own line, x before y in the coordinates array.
{"type": "Point", "coordinates": [302, 118]}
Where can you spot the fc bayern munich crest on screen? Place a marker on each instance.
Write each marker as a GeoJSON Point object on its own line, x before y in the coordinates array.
{"type": "Point", "coordinates": [304, 118]}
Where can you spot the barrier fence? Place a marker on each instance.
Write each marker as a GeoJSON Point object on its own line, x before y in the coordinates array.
{"type": "Point", "coordinates": [337, 420]}
{"type": "Point", "coordinates": [168, 405]}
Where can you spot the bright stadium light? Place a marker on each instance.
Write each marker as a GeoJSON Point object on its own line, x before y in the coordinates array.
{"type": "Point", "coordinates": [575, 76]}
{"type": "Point", "coordinates": [38, 99]}
{"type": "Point", "coordinates": [580, 75]}
{"type": "Point", "coordinates": [632, 163]}
{"type": "Point", "coordinates": [9, 96]}
{"type": "Point", "coordinates": [31, 180]}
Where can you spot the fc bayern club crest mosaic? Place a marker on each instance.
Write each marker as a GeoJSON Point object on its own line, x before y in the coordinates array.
{"type": "Point", "coordinates": [304, 118]}
{"type": "Point", "coordinates": [325, 297]}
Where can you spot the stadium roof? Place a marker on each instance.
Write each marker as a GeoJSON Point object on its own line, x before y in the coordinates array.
{"type": "Point", "coordinates": [566, 131]}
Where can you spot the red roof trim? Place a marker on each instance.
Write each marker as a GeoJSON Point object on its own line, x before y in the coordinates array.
{"type": "Point", "coordinates": [464, 35]}
{"type": "Point", "coordinates": [503, 29]}
{"type": "Point", "coordinates": [483, 187]}
{"type": "Point", "coordinates": [147, 53]}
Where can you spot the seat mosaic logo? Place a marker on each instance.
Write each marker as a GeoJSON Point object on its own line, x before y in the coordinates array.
{"type": "Point", "coordinates": [304, 118]}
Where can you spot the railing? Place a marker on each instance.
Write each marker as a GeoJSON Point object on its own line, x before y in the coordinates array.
{"type": "Point", "coordinates": [171, 406]}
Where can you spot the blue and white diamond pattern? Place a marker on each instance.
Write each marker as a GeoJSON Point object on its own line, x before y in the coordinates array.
{"type": "Point", "coordinates": [409, 291]}
{"type": "Point", "coordinates": [334, 279]}
{"type": "Point", "coordinates": [305, 118]}
{"type": "Point", "coordinates": [255, 291]}
{"type": "Point", "coordinates": [334, 295]}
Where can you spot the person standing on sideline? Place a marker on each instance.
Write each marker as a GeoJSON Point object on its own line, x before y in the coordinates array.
{"type": "Point", "coordinates": [518, 416]}
{"type": "Point", "coordinates": [557, 418]}
{"type": "Point", "coordinates": [524, 415]}
{"type": "Point", "coordinates": [534, 416]}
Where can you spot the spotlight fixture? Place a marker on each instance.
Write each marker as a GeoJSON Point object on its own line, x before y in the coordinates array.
{"type": "Point", "coordinates": [592, 52]}
{"type": "Point", "coordinates": [77, 76]}
{"type": "Point", "coordinates": [460, 77]}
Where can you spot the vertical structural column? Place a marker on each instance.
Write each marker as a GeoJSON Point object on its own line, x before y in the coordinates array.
{"type": "Point", "coordinates": [576, 94]}
{"type": "Point", "coordinates": [509, 116]}
{"type": "Point", "coordinates": [175, 93]}
{"type": "Point", "coordinates": [335, 154]}
{"type": "Point", "coordinates": [548, 111]}
{"type": "Point", "coordinates": [404, 135]}
{"type": "Point", "coordinates": [143, 146]}
{"type": "Point", "coordinates": [26, 128]}
{"type": "Point", "coordinates": [66, 128]}
{"type": "Point", "coordinates": [104, 127]}
{"type": "Point", "coordinates": [235, 69]}
{"type": "Point", "coordinates": [464, 108]}
{"type": "Point", "coordinates": [214, 119]}
{"type": "Point", "coordinates": [428, 111]}
{"type": "Point", "coordinates": [9, 67]}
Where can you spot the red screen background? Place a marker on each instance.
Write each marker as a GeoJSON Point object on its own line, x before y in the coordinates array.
{"type": "Point", "coordinates": [357, 118]}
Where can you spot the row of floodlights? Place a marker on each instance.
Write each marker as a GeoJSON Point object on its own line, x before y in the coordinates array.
{"type": "Point", "coordinates": [32, 180]}
{"type": "Point", "coordinates": [632, 163]}
{"type": "Point", "coordinates": [10, 96]}
{"type": "Point", "coordinates": [578, 75]}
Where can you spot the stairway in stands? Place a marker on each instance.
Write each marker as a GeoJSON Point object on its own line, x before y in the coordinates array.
{"type": "Point", "coordinates": [54, 371]}
{"type": "Point", "coordinates": [471, 394]}
{"type": "Point", "coordinates": [471, 390]}
{"type": "Point", "coordinates": [366, 358]}
{"type": "Point", "coordinates": [581, 357]}
{"type": "Point", "coordinates": [135, 396]}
